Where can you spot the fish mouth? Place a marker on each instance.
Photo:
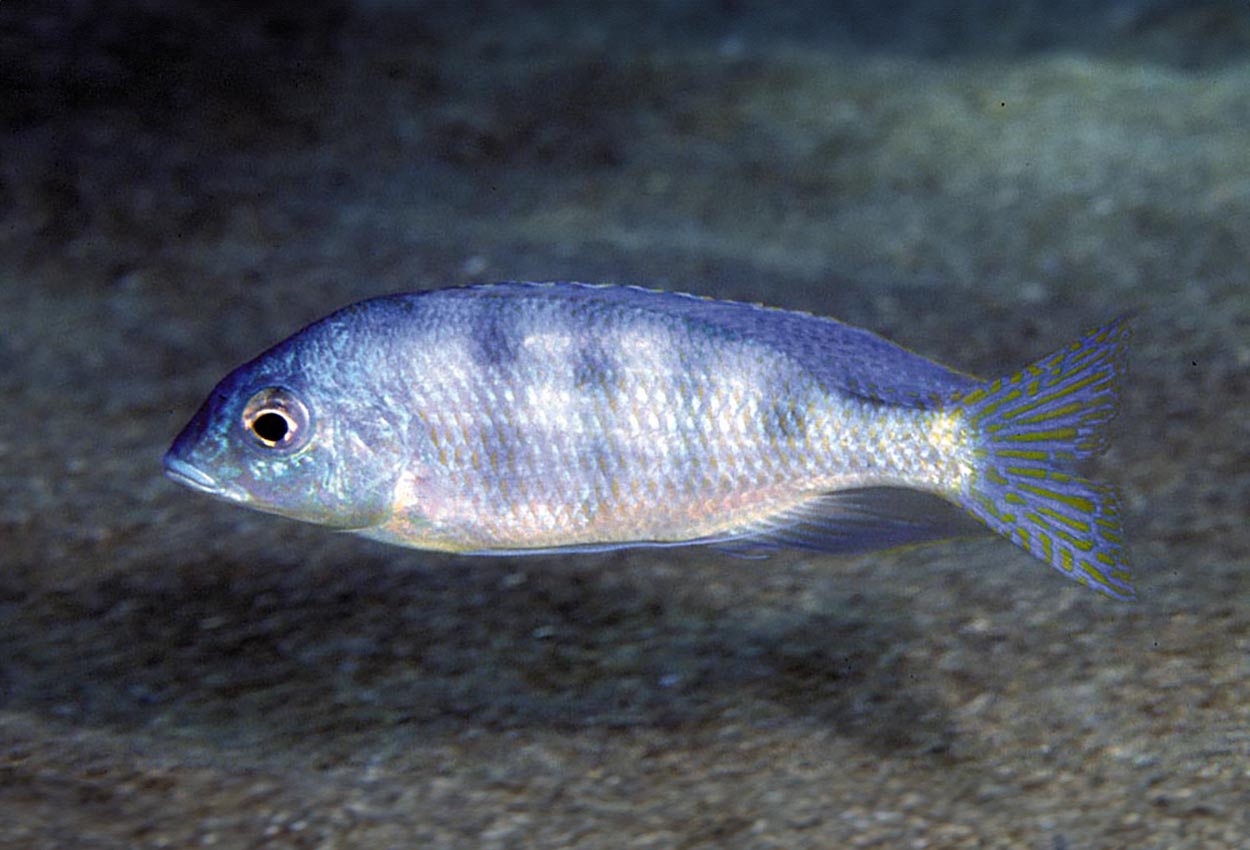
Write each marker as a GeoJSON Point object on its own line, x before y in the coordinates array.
{"type": "Point", "coordinates": [197, 479]}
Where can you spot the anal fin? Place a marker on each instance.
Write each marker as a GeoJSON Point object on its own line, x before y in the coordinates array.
{"type": "Point", "coordinates": [859, 520]}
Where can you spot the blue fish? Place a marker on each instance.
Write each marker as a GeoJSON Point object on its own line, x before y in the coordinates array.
{"type": "Point", "coordinates": [522, 417]}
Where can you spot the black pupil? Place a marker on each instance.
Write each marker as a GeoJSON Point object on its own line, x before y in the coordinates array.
{"type": "Point", "coordinates": [271, 427]}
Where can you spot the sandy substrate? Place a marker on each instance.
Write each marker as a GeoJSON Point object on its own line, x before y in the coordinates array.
{"type": "Point", "coordinates": [176, 672]}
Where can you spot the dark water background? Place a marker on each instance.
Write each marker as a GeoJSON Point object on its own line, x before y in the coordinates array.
{"type": "Point", "coordinates": [182, 184]}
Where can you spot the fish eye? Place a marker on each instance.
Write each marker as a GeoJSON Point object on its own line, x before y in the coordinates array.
{"type": "Point", "coordinates": [271, 427]}
{"type": "Point", "coordinates": [275, 418]}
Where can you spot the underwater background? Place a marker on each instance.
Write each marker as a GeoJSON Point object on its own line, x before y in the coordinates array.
{"type": "Point", "coordinates": [183, 184]}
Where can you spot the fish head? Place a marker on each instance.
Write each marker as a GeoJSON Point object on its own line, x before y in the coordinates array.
{"type": "Point", "coordinates": [290, 434]}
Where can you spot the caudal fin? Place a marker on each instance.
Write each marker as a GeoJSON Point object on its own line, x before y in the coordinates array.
{"type": "Point", "coordinates": [1029, 430]}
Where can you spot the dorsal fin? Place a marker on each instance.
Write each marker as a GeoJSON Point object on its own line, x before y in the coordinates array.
{"type": "Point", "coordinates": [848, 359]}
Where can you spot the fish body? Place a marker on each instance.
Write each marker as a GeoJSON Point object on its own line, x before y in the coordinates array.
{"type": "Point", "coordinates": [534, 417]}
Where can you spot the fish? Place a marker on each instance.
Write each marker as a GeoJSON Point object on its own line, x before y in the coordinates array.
{"type": "Point", "coordinates": [519, 418]}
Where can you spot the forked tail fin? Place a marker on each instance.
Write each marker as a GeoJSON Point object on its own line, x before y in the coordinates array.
{"type": "Point", "coordinates": [1029, 430]}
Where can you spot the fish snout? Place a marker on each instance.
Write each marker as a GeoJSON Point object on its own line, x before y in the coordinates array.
{"type": "Point", "coordinates": [190, 475]}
